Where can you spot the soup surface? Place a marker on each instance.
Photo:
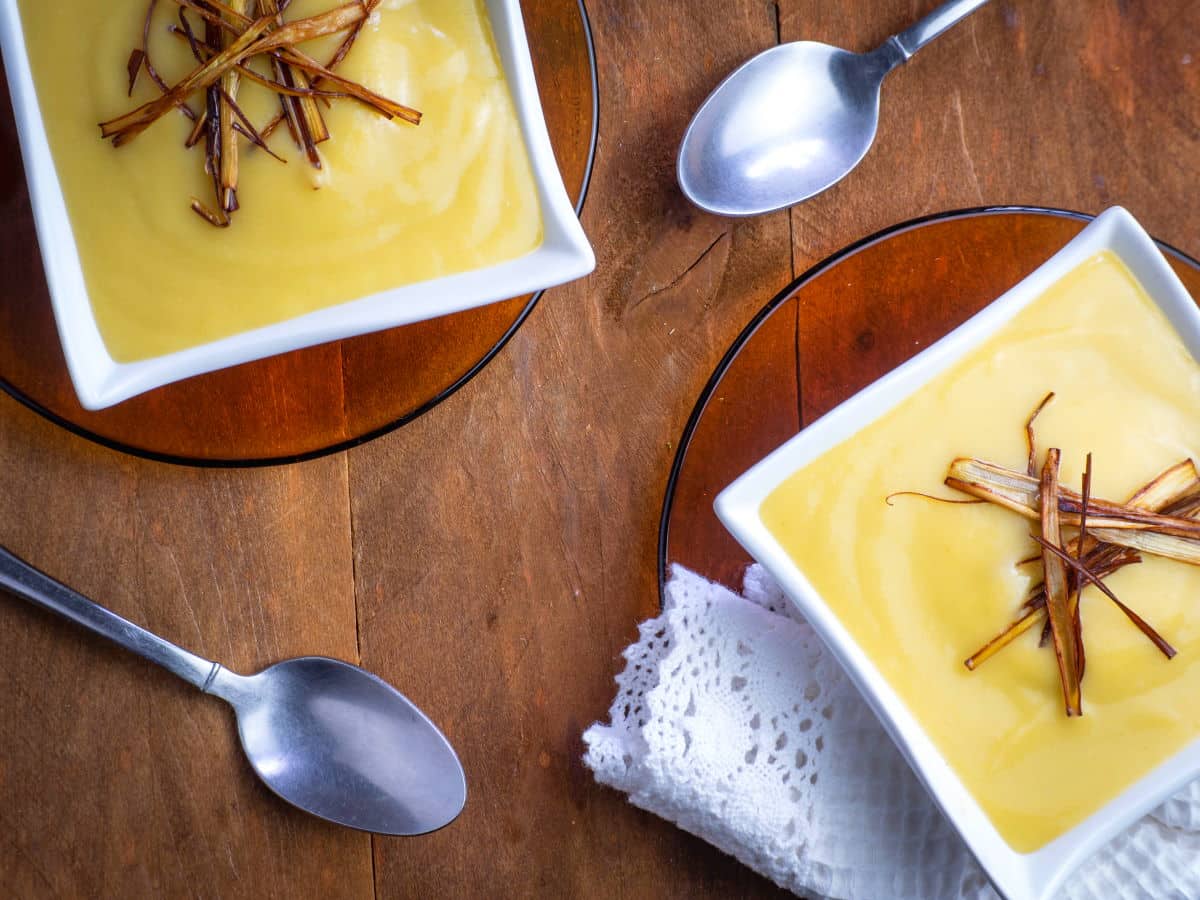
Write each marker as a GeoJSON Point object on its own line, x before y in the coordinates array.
{"type": "Point", "coordinates": [396, 204]}
{"type": "Point", "coordinates": [921, 585]}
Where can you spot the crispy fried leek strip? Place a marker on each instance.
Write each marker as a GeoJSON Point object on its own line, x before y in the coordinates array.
{"type": "Point", "coordinates": [348, 43]}
{"type": "Point", "coordinates": [389, 109]}
{"type": "Point", "coordinates": [125, 128]}
{"type": "Point", "coordinates": [1169, 546]}
{"type": "Point", "coordinates": [243, 125]}
{"type": "Point", "coordinates": [269, 128]}
{"type": "Point", "coordinates": [1168, 489]}
{"type": "Point", "coordinates": [184, 33]}
{"type": "Point", "coordinates": [1019, 492]}
{"type": "Point", "coordinates": [229, 85]}
{"type": "Point", "coordinates": [1057, 593]}
{"type": "Point", "coordinates": [217, 115]}
{"type": "Point", "coordinates": [198, 130]}
{"type": "Point", "coordinates": [140, 59]}
{"type": "Point", "coordinates": [253, 41]}
{"type": "Point", "coordinates": [1029, 617]}
{"type": "Point", "coordinates": [1174, 490]}
{"type": "Point", "coordinates": [298, 31]}
{"type": "Point", "coordinates": [231, 39]}
{"type": "Point", "coordinates": [932, 498]}
{"type": "Point", "coordinates": [302, 111]}
{"type": "Point", "coordinates": [1076, 586]}
{"type": "Point", "coordinates": [1030, 443]}
{"type": "Point", "coordinates": [1155, 638]}
{"type": "Point", "coordinates": [1033, 610]}
{"type": "Point", "coordinates": [133, 67]}
{"type": "Point", "coordinates": [282, 42]}
{"type": "Point", "coordinates": [368, 7]}
{"type": "Point", "coordinates": [1171, 536]}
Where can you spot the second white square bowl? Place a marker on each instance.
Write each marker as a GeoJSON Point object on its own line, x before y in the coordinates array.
{"type": "Point", "coordinates": [1030, 876]}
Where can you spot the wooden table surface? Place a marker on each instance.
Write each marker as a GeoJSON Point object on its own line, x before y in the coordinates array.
{"type": "Point", "coordinates": [493, 558]}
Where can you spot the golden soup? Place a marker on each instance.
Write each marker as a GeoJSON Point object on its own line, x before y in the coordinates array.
{"type": "Point", "coordinates": [396, 203]}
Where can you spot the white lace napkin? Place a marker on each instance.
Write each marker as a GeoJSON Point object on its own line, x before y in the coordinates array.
{"type": "Point", "coordinates": [733, 722]}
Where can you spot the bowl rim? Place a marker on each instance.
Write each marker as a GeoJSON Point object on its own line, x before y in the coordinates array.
{"type": "Point", "coordinates": [563, 254]}
{"type": "Point", "coordinates": [1028, 876]}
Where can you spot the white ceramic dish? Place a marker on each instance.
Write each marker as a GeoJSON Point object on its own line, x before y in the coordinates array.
{"type": "Point", "coordinates": [1032, 876]}
{"type": "Point", "coordinates": [100, 381]}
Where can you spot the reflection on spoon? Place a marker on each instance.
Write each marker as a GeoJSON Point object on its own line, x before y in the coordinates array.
{"type": "Point", "coordinates": [794, 120]}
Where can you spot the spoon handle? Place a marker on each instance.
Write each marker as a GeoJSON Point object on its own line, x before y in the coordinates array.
{"type": "Point", "coordinates": [917, 36]}
{"type": "Point", "coordinates": [23, 580]}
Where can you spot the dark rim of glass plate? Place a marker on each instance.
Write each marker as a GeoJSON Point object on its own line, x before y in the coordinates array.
{"type": "Point", "coordinates": [374, 433]}
{"type": "Point", "coordinates": [786, 294]}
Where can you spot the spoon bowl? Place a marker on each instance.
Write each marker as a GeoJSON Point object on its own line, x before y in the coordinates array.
{"type": "Point", "coordinates": [783, 127]}
{"type": "Point", "coordinates": [346, 746]}
{"type": "Point", "coordinates": [794, 120]}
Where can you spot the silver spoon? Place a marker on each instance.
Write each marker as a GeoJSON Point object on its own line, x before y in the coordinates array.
{"type": "Point", "coordinates": [324, 735]}
{"type": "Point", "coordinates": [794, 120]}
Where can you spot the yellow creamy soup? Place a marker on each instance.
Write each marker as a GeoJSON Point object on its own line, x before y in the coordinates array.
{"type": "Point", "coordinates": [921, 585]}
{"type": "Point", "coordinates": [397, 203]}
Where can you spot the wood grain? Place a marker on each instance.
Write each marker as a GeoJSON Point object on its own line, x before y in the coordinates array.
{"type": "Point", "coordinates": [507, 539]}
{"type": "Point", "coordinates": [117, 779]}
{"type": "Point", "coordinates": [754, 408]}
{"type": "Point", "coordinates": [503, 546]}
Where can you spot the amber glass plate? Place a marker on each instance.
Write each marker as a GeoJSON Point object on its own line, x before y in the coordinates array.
{"type": "Point", "coordinates": [836, 329]}
{"type": "Point", "coordinates": [310, 402]}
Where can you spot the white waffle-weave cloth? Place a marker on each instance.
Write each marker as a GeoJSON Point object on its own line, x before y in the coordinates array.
{"type": "Point", "coordinates": [732, 721]}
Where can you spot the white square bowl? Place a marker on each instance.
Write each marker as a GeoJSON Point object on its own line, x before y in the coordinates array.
{"type": "Point", "coordinates": [101, 381]}
{"type": "Point", "coordinates": [1017, 876]}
